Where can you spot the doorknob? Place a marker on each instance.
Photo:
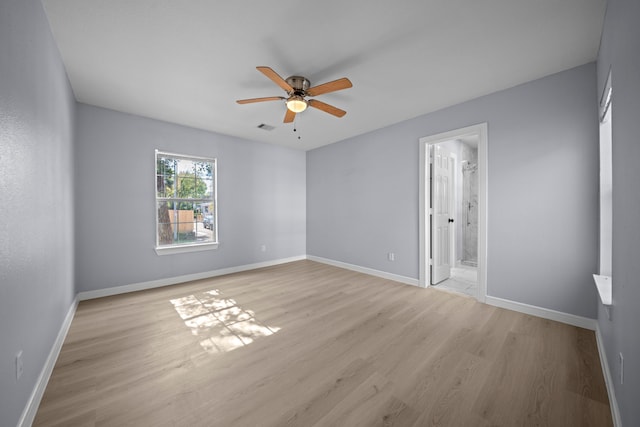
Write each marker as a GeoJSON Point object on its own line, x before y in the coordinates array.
{"type": "Point", "coordinates": [450, 219]}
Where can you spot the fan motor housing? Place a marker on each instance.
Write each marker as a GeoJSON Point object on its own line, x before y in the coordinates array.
{"type": "Point", "coordinates": [299, 84]}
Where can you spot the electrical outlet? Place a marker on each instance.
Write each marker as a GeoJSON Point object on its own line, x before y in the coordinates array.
{"type": "Point", "coordinates": [19, 366]}
{"type": "Point", "coordinates": [263, 248]}
{"type": "Point", "coordinates": [621, 368]}
{"type": "Point", "coordinates": [391, 256]}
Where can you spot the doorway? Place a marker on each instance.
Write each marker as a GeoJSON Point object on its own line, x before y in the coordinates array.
{"type": "Point", "coordinates": [453, 210]}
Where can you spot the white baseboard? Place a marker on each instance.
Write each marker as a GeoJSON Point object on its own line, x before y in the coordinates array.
{"type": "Point", "coordinates": [608, 379]}
{"type": "Point", "coordinates": [29, 413]}
{"type": "Point", "coordinates": [545, 313]}
{"type": "Point", "coordinates": [99, 293]}
{"type": "Point", "coordinates": [366, 270]}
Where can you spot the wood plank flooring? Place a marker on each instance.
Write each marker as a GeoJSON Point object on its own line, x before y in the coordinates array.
{"type": "Point", "coordinates": [306, 344]}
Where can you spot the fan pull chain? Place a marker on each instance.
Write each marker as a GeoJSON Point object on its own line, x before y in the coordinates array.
{"type": "Point", "coordinates": [295, 130]}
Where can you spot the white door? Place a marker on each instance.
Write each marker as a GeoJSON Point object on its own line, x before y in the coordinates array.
{"type": "Point", "coordinates": [442, 215]}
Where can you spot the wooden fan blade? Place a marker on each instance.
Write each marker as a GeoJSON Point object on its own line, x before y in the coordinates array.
{"type": "Point", "coordinates": [252, 100]}
{"type": "Point", "coordinates": [326, 108]}
{"type": "Point", "coordinates": [289, 116]}
{"type": "Point", "coordinates": [275, 78]}
{"type": "Point", "coordinates": [343, 83]}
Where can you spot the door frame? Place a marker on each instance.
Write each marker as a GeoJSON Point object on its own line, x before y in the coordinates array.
{"type": "Point", "coordinates": [453, 208]}
{"type": "Point", "coordinates": [425, 194]}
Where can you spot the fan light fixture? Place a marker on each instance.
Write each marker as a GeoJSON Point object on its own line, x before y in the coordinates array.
{"type": "Point", "coordinates": [297, 104]}
{"type": "Point", "coordinates": [297, 88]}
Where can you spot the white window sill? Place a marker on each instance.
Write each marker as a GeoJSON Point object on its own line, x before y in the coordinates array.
{"type": "Point", "coordinates": [170, 250]}
{"type": "Point", "coordinates": [603, 283]}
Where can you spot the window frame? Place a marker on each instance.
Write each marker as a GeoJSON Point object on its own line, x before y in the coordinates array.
{"type": "Point", "coordinates": [186, 247]}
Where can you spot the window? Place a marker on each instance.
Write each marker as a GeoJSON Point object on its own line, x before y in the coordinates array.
{"type": "Point", "coordinates": [606, 180]}
{"type": "Point", "coordinates": [186, 208]}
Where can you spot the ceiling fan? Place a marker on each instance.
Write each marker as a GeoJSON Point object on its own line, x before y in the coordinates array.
{"type": "Point", "coordinates": [297, 88]}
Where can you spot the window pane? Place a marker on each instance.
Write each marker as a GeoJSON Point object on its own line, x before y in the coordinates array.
{"type": "Point", "coordinates": [186, 166]}
{"type": "Point", "coordinates": [164, 185]}
{"type": "Point", "coordinates": [190, 187]}
{"type": "Point", "coordinates": [201, 188]}
{"type": "Point", "coordinates": [208, 188]}
{"type": "Point", "coordinates": [165, 229]}
{"type": "Point", "coordinates": [204, 170]}
{"type": "Point", "coordinates": [162, 165]}
{"type": "Point", "coordinates": [186, 232]}
{"type": "Point", "coordinates": [205, 208]}
{"type": "Point", "coordinates": [164, 176]}
{"type": "Point", "coordinates": [204, 231]}
{"type": "Point", "coordinates": [185, 206]}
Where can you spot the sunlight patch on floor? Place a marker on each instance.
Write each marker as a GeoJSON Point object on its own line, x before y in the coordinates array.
{"type": "Point", "coordinates": [219, 321]}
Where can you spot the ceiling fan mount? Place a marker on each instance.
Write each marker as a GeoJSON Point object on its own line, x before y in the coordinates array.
{"type": "Point", "coordinates": [296, 102]}
{"type": "Point", "coordinates": [298, 83]}
{"type": "Point", "coordinates": [298, 90]}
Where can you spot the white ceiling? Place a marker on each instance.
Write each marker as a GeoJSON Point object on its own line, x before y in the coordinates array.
{"type": "Point", "coordinates": [187, 62]}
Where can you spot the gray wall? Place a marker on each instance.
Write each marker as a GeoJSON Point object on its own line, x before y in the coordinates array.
{"type": "Point", "coordinates": [261, 198]}
{"type": "Point", "coordinates": [36, 171]}
{"type": "Point", "coordinates": [362, 193]}
{"type": "Point", "coordinates": [619, 50]}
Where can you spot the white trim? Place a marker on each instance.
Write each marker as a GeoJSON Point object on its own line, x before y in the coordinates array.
{"type": "Point", "coordinates": [453, 208]}
{"type": "Point", "coordinates": [99, 293]}
{"type": "Point", "coordinates": [481, 130]}
{"type": "Point", "coordinates": [425, 211]}
{"type": "Point", "coordinates": [183, 156]}
{"type": "Point", "coordinates": [170, 250]}
{"type": "Point", "coordinates": [603, 283]}
{"type": "Point", "coordinates": [545, 313]}
{"type": "Point", "coordinates": [608, 379]}
{"type": "Point", "coordinates": [30, 410]}
{"type": "Point", "coordinates": [366, 270]}
{"type": "Point", "coordinates": [605, 99]}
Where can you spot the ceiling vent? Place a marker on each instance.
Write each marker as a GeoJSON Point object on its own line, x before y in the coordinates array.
{"type": "Point", "coordinates": [265, 127]}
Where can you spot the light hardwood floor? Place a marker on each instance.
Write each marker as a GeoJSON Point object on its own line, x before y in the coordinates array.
{"type": "Point", "coordinates": [305, 344]}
